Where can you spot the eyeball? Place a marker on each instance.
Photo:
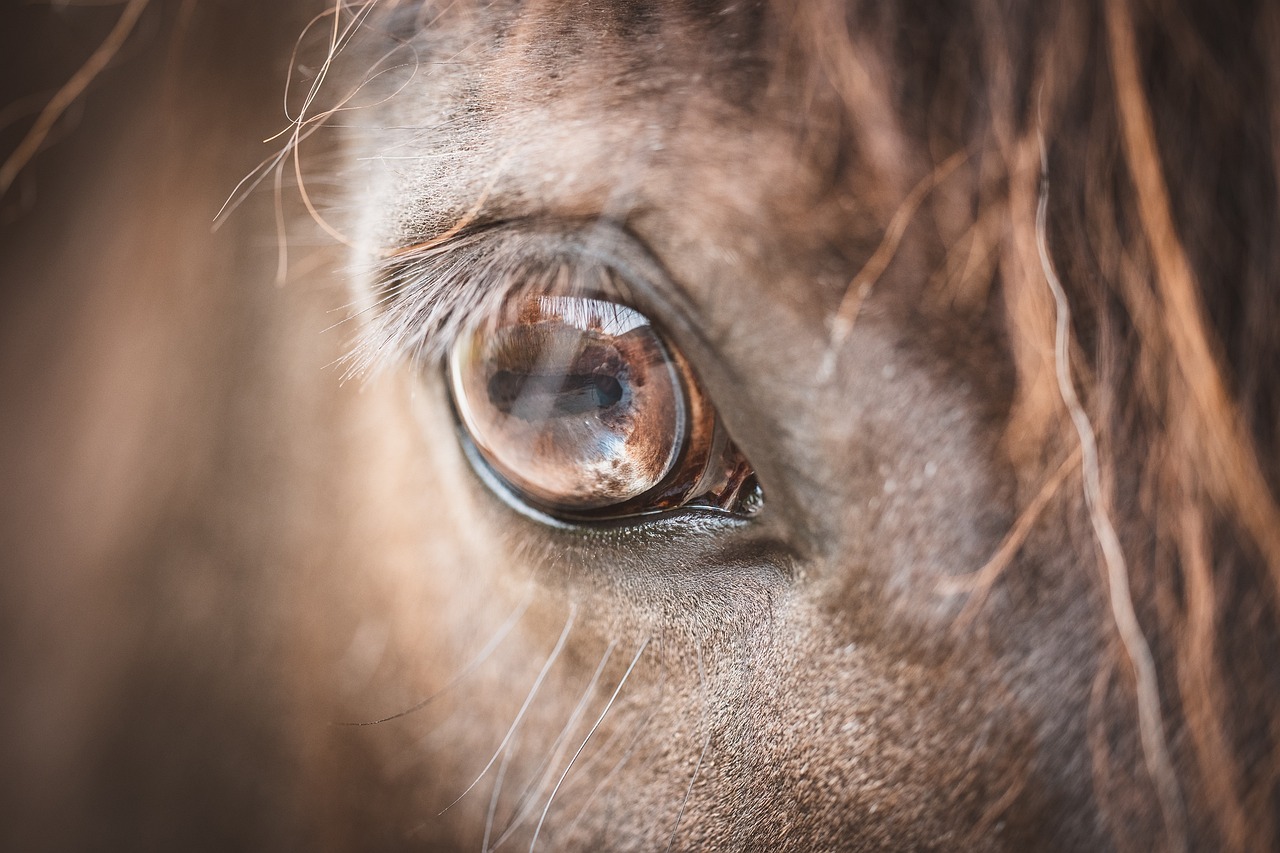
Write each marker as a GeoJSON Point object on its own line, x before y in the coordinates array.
{"type": "Point", "coordinates": [584, 410]}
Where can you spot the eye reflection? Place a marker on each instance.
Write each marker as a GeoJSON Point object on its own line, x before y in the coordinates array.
{"type": "Point", "coordinates": [581, 407]}
{"type": "Point", "coordinates": [528, 396]}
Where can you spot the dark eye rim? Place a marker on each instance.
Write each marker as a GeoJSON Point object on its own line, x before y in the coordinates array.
{"type": "Point", "coordinates": [690, 483]}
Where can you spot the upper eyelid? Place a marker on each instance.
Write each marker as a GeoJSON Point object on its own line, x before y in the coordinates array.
{"type": "Point", "coordinates": [424, 299]}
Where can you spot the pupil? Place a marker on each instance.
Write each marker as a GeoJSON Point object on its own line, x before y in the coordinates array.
{"type": "Point", "coordinates": [608, 391]}
{"type": "Point", "coordinates": [536, 396]}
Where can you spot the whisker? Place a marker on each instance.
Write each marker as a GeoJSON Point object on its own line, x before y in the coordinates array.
{"type": "Point", "coordinates": [1151, 723]}
{"type": "Point", "coordinates": [706, 744]}
{"type": "Point", "coordinates": [621, 762]}
{"type": "Point", "coordinates": [596, 755]}
{"type": "Point", "coordinates": [532, 792]}
{"type": "Point", "coordinates": [496, 640]}
{"type": "Point", "coordinates": [494, 796]}
{"type": "Point", "coordinates": [533, 691]}
{"type": "Point", "coordinates": [585, 740]}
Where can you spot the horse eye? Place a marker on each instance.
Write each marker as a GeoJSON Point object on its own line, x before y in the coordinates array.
{"type": "Point", "coordinates": [583, 409]}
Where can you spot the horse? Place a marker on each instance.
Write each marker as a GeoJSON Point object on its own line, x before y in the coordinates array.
{"type": "Point", "coordinates": [641, 425]}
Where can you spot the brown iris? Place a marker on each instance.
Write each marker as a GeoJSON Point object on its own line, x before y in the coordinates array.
{"type": "Point", "coordinates": [581, 407]}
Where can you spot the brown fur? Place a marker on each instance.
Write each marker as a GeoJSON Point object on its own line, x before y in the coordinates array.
{"type": "Point", "coordinates": [987, 295]}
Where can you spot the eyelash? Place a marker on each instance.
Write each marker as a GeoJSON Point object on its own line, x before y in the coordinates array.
{"type": "Point", "coordinates": [426, 297]}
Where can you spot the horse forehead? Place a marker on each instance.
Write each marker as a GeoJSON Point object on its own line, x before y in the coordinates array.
{"type": "Point", "coordinates": [519, 120]}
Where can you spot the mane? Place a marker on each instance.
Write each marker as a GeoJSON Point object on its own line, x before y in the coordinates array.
{"type": "Point", "coordinates": [1123, 162]}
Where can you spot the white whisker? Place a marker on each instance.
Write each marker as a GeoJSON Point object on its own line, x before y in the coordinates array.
{"type": "Point", "coordinates": [585, 740]}
{"type": "Point", "coordinates": [533, 791]}
{"type": "Point", "coordinates": [706, 744]}
{"type": "Point", "coordinates": [481, 656]}
{"type": "Point", "coordinates": [1151, 724]}
{"type": "Point", "coordinates": [621, 762]}
{"type": "Point", "coordinates": [533, 691]}
{"type": "Point", "coordinates": [495, 795]}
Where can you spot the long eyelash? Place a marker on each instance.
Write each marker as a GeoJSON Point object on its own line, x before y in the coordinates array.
{"type": "Point", "coordinates": [424, 299]}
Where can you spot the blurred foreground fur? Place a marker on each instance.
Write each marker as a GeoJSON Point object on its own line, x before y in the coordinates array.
{"type": "Point", "coordinates": [196, 514]}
